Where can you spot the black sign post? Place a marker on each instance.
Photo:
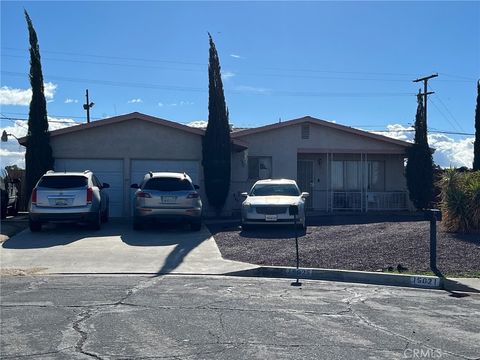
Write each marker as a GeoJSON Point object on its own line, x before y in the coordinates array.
{"type": "Point", "coordinates": [293, 209]}
{"type": "Point", "coordinates": [433, 215]}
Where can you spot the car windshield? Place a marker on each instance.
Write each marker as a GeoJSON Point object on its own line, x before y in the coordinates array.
{"type": "Point", "coordinates": [63, 182]}
{"type": "Point", "coordinates": [168, 184]}
{"type": "Point", "coordinates": [275, 189]}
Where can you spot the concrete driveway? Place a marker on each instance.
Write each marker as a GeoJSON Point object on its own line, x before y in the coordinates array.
{"type": "Point", "coordinates": [116, 248]}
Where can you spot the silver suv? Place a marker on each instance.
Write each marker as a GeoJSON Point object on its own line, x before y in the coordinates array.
{"type": "Point", "coordinates": [167, 196]}
{"type": "Point", "coordinates": [68, 196]}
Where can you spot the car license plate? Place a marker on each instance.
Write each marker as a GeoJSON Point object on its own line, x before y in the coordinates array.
{"type": "Point", "coordinates": [169, 199]}
{"type": "Point", "coordinates": [61, 202]}
{"type": "Point", "coordinates": [270, 217]}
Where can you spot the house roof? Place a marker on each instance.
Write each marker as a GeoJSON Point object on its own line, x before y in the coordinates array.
{"type": "Point", "coordinates": [119, 119]}
{"type": "Point", "coordinates": [312, 120]}
{"type": "Point", "coordinates": [238, 144]}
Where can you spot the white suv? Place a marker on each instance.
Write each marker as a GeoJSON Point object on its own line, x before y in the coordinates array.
{"type": "Point", "coordinates": [68, 196]}
{"type": "Point", "coordinates": [269, 202]}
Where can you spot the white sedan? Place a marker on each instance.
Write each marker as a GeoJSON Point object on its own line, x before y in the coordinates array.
{"type": "Point", "coordinates": [269, 201]}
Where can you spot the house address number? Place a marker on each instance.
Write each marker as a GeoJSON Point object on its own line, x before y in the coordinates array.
{"type": "Point", "coordinates": [425, 281]}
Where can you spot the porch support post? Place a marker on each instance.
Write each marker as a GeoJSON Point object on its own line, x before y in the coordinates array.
{"type": "Point", "coordinates": [362, 184]}
{"type": "Point", "coordinates": [366, 181]}
{"type": "Point", "coordinates": [327, 194]}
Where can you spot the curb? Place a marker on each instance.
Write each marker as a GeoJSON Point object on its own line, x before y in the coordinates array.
{"type": "Point", "coordinates": [374, 278]}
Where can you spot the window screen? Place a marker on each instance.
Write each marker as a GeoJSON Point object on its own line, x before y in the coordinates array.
{"type": "Point", "coordinates": [168, 184]}
{"type": "Point", "coordinates": [259, 167]}
{"type": "Point", "coordinates": [376, 175]}
{"type": "Point", "coordinates": [63, 182]}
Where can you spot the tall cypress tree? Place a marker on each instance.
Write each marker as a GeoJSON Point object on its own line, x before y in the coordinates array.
{"type": "Point", "coordinates": [419, 171]}
{"type": "Point", "coordinates": [216, 150]}
{"type": "Point", "coordinates": [38, 157]}
{"type": "Point", "coordinates": [476, 144]}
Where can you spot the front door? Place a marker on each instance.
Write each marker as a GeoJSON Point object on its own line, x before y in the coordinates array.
{"type": "Point", "coordinates": [305, 179]}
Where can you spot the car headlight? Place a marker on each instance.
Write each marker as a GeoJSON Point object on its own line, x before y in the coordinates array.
{"type": "Point", "coordinates": [247, 207]}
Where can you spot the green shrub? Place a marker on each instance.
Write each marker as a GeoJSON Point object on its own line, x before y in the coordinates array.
{"type": "Point", "coordinates": [460, 201]}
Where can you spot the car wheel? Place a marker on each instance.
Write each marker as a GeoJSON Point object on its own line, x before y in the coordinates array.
{"type": "Point", "coordinates": [3, 209]}
{"type": "Point", "coordinates": [106, 215]}
{"type": "Point", "coordinates": [14, 209]}
{"type": "Point", "coordinates": [35, 226]}
{"type": "Point", "coordinates": [246, 227]}
{"type": "Point", "coordinates": [97, 222]}
{"type": "Point", "coordinates": [196, 225]}
{"type": "Point", "coordinates": [137, 224]}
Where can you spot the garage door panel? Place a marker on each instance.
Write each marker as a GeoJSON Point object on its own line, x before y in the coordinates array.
{"type": "Point", "coordinates": [107, 171]}
{"type": "Point", "coordinates": [140, 167]}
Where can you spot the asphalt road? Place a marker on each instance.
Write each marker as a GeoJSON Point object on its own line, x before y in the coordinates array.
{"type": "Point", "coordinates": [218, 317]}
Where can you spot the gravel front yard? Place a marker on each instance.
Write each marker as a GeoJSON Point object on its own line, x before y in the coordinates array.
{"type": "Point", "coordinates": [354, 243]}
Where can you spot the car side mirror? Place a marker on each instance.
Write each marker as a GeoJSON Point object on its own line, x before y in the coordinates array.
{"type": "Point", "coordinates": [305, 194]}
{"type": "Point", "coordinates": [105, 185]}
{"type": "Point", "coordinates": [196, 187]}
{"type": "Point", "coordinates": [134, 186]}
{"type": "Point", "coordinates": [244, 194]}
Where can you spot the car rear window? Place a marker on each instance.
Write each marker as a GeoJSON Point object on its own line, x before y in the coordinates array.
{"type": "Point", "coordinates": [63, 182]}
{"type": "Point", "coordinates": [168, 184]}
{"type": "Point", "coordinates": [275, 189]}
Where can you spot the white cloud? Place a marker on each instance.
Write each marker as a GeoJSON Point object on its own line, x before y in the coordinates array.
{"type": "Point", "coordinates": [449, 152]}
{"type": "Point", "coordinates": [180, 103]}
{"type": "Point", "coordinates": [22, 97]}
{"type": "Point", "coordinates": [236, 56]}
{"type": "Point", "coordinates": [251, 89]}
{"type": "Point", "coordinates": [69, 101]}
{"type": "Point", "coordinates": [11, 152]}
{"type": "Point", "coordinates": [134, 101]}
{"type": "Point", "coordinates": [198, 124]}
{"type": "Point", "coordinates": [227, 75]}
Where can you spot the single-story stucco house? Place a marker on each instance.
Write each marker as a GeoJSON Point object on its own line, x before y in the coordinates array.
{"type": "Point", "coordinates": [341, 167]}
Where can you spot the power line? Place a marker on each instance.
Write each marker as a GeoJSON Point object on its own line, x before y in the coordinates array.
{"type": "Point", "coordinates": [442, 113]}
{"type": "Point", "coordinates": [181, 62]}
{"type": "Point", "coordinates": [232, 91]}
{"type": "Point", "coordinates": [50, 121]}
{"type": "Point", "coordinates": [55, 116]}
{"type": "Point", "coordinates": [449, 112]}
{"type": "Point", "coordinates": [247, 73]}
{"type": "Point", "coordinates": [378, 131]}
{"type": "Point", "coordinates": [112, 57]}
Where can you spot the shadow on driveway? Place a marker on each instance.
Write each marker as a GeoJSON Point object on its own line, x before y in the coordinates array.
{"type": "Point", "coordinates": [179, 235]}
{"type": "Point", "coordinates": [54, 235]}
{"type": "Point", "coordinates": [118, 236]}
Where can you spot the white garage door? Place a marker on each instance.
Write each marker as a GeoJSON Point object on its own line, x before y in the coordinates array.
{"type": "Point", "coordinates": [140, 167]}
{"type": "Point", "coordinates": [107, 171]}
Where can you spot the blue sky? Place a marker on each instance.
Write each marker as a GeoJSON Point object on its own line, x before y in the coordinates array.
{"type": "Point", "coordinates": [348, 62]}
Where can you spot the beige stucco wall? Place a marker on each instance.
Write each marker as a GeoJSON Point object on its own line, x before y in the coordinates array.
{"type": "Point", "coordinates": [135, 139]}
{"type": "Point", "coordinates": [130, 140]}
{"type": "Point", "coordinates": [284, 145]}
{"type": "Point", "coordinates": [139, 139]}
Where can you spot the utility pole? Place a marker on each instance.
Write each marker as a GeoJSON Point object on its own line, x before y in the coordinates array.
{"type": "Point", "coordinates": [87, 106]}
{"type": "Point", "coordinates": [425, 94]}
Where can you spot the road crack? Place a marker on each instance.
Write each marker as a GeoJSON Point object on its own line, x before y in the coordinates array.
{"type": "Point", "coordinates": [356, 297]}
